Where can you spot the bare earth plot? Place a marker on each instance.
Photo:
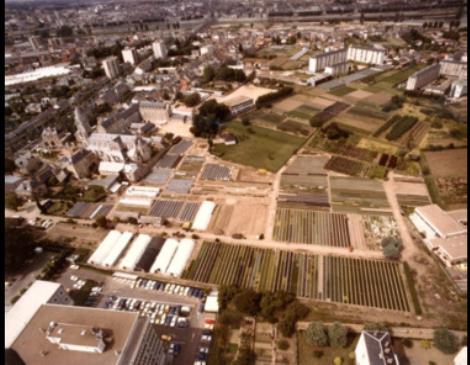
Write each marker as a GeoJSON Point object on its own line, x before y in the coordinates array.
{"type": "Point", "coordinates": [244, 218]}
{"type": "Point", "coordinates": [288, 104]}
{"type": "Point", "coordinates": [321, 103]}
{"type": "Point", "coordinates": [366, 124]}
{"type": "Point", "coordinates": [448, 163]}
{"type": "Point", "coordinates": [357, 95]}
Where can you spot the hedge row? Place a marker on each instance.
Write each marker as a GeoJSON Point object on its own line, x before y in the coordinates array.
{"type": "Point", "coordinates": [401, 125]}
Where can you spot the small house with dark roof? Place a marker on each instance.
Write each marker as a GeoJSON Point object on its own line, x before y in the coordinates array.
{"type": "Point", "coordinates": [375, 348]}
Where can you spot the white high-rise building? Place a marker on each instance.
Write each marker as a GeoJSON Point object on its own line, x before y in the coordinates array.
{"type": "Point", "coordinates": [130, 55]}
{"type": "Point", "coordinates": [423, 77]}
{"type": "Point", "coordinates": [159, 49]}
{"type": "Point", "coordinates": [111, 67]}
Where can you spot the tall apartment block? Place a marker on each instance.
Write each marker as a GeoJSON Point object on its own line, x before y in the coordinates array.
{"type": "Point", "coordinates": [159, 49]}
{"type": "Point", "coordinates": [130, 55]}
{"type": "Point", "coordinates": [423, 77]}
{"type": "Point", "coordinates": [111, 67]}
{"type": "Point", "coordinates": [367, 55]}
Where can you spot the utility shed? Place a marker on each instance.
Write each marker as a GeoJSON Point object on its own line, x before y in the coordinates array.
{"type": "Point", "coordinates": [135, 252]}
{"type": "Point", "coordinates": [165, 256]}
{"type": "Point", "coordinates": [117, 249]}
{"type": "Point", "coordinates": [104, 248]}
{"type": "Point", "coordinates": [212, 302]}
{"type": "Point", "coordinates": [181, 257]}
{"type": "Point", "coordinates": [203, 216]}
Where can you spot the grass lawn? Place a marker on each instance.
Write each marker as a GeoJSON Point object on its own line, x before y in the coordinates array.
{"type": "Point", "coordinates": [306, 352]}
{"type": "Point", "coordinates": [388, 81]}
{"type": "Point", "coordinates": [341, 90]}
{"type": "Point", "coordinates": [258, 147]}
{"type": "Point", "coordinates": [266, 117]}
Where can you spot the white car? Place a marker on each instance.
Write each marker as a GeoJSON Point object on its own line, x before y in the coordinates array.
{"type": "Point", "coordinates": [173, 322]}
{"type": "Point", "coordinates": [74, 267]}
{"type": "Point", "coordinates": [74, 278]}
{"type": "Point", "coordinates": [204, 350]}
{"type": "Point", "coordinates": [206, 338]}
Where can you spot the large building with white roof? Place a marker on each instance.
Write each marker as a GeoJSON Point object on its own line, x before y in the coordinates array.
{"type": "Point", "coordinates": [375, 348]}
{"type": "Point", "coordinates": [135, 252]}
{"type": "Point", "coordinates": [443, 233]}
{"type": "Point", "coordinates": [40, 292]}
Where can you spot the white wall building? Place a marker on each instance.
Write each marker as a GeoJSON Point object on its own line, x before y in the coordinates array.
{"type": "Point", "coordinates": [159, 49]}
{"type": "Point", "coordinates": [454, 68]}
{"type": "Point", "coordinates": [423, 77]}
{"type": "Point", "coordinates": [461, 358]}
{"type": "Point", "coordinates": [458, 89]}
{"type": "Point", "coordinates": [318, 62]}
{"type": "Point", "coordinates": [111, 67]}
{"type": "Point", "coordinates": [39, 293]}
{"type": "Point", "coordinates": [368, 55]}
{"type": "Point", "coordinates": [130, 55]}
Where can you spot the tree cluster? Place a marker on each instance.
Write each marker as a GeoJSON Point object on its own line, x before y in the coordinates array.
{"type": "Point", "coordinates": [266, 99]}
{"type": "Point", "coordinates": [223, 73]}
{"type": "Point", "coordinates": [103, 52]}
{"type": "Point", "coordinates": [211, 114]}
{"type": "Point", "coordinates": [317, 334]}
{"type": "Point", "coordinates": [391, 247]}
{"type": "Point", "coordinates": [189, 100]}
{"type": "Point", "coordinates": [396, 102]}
{"type": "Point", "coordinates": [445, 341]}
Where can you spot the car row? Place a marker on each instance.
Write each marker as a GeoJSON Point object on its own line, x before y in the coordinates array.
{"type": "Point", "coordinates": [169, 288]}
{"type": "Point", "coordinates": [158, 313]}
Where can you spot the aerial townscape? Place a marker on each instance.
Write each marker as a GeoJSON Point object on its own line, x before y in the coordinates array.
{"type": "Point", "coordinates": [245, 182]}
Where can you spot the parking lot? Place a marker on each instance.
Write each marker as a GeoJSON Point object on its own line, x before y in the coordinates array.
{"type": "Point", "coordinates": [175, 310]}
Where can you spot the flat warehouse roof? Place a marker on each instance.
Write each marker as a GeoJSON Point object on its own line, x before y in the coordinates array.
{"type": "Point", "coordinates": [455, 247]}
{"type": "Point", "coordinates": [440, 220]}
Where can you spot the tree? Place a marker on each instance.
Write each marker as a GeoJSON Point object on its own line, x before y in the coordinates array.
{"type": "Point", "coordinates": [392, 247]}
{"type": "Point", "coordinates": [375, 326]}
{"type": "Point", "coordinates": [12, 201]}
{"type": "Point", "coordinates": [283, 345]}
{"type": "Point", "coordinates": [65, 31]}
{"type": "Point", "coordinates": [20, 240]}
{"type": "Point", "coordinates": [315, 334]}
{"type": "Point", "coordinates": [445, 341]}
{"type": "Point", "coordinates": [208, 74]}
{"type": "Point", "coordinates": [101, 222]}
{"type": "Point", "coordinates": [247, 302]}
{"type": "Point", "coordinates": [337, 335]}
{"type": "Point", "coordinates": [9, 165]}
{"type": "Point", "coordinates": [287, 325]}
{"type": "Point", "coordinates": [226, 294]}
{"type": "Point", "coordinates": [231, 318]}
{"type": "Point", "coordinates": [245, 357]}
{"type": "Point", "coordinates": [337, 360]}
{"type": "Point", "coordinates": [192, 99]}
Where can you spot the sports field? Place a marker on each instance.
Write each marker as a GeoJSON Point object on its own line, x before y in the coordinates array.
{"type": "Point", "coordinates": [258, 147]}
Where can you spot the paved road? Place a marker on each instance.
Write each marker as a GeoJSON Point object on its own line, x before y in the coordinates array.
{"type": "Point", "coordinates": [316, 249]}
{"type": "Point", "coordinates": [400, 332]}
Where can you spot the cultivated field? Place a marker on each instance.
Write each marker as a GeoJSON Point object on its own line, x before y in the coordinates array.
{"type": "Point", "coordinates": [363, 123]}
{"type": "Point", "coordinates": [364, 282]}
{"type": "Point", "coordinates": [346, 166]}
{"type": "Point", "coordinates": [258, 147]}
{"type": "Point", "coordinates": [447, 163]}
{"type": "Point", "coordinates": [308, 226]}
{"type": "Point", "coordinates": [358, 195]}
{"type": "Point", "coordinates": [248, 219]}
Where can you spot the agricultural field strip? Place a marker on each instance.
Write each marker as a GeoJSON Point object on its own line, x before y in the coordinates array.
{"type": "Point", "coordinates": [215, 172]}
{"type": "Point", "coordinates": [308, 226]}
{"type": "Point", "coordinates": [364, 282]}
{"type": "Point", "coordinates": [185, 211]}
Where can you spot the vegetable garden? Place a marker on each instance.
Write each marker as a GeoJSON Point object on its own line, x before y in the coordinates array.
{"type": "Point", "coordinates": [372, 283]}
{"type": "Point", "coordinates": [313, 227]}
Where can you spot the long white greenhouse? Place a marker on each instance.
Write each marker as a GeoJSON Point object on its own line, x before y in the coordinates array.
{"type": "Point", "coordinates": [104, 248]}
{"type": "Point", "coordinates": [135, 252]}
{"type": "Point", "coordinates": [181, 257]}
{"type": "Point", "coordinates": [165, 256]}
{"type": "Point", "coordinates": [117, 249]}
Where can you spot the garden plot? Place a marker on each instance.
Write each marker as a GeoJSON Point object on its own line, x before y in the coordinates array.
{"type": "Point", "coordinates": [166, 208]}
{"type": "Point", "coordinates": [380, 99]}
{"type": "Point", "coordinates": [358, 195]}
{"type": "Point", "coordinates": [188, 212]}
{"type": "Point", "coordinates": [248, 219]}
{"type": "Point", "coordinates": [179, 186]}
{"type": "Point", "coordinates": [341, 90]}
{"type": "Point", "coordinates": [181, 147]}
{"type": "Point", "coordinates": [364, 282]}
{"type": "Point", "coordinates": [321, 103]}
{"type": "Point", "coordinates": [376, 228]}
{"type": "Point", "coordinates": [307, 165]}
{"type": "Point", "coordinates": [158, 177]}
{"type": "Point", "coordinates": [266, 117]}
{"type": "Point", "coordinates": [190, 166]}
{"type": "Point", "coordinates": [411, 193]}
{"type": "Point", "coordinates": [293, 126]}
{"type": "Point", "coordinates": [346, 166]}
{"type": "Point", "coordinates": [371, 283]}
{"type": "Point", "coordinates": [288, 104]}
{"type": "Point", "coordinates": [303, 112]}
{"type": "Point", "coordinates": [304, 183]}
{"type": "Point", "coordinates": [168, 161]}
{"type": "Point", "coordinates": [358, 95]}
{"type": "Point", "coordinates": [216, 172]}
{"type": "Point", "coordinates": [377, 145]}
{"type": "Point", "coordinates": [312, 227]}
{"type": "Point", "coordinates": [363, 123]}
{"type": "Point", "coordinates": [448, 162]}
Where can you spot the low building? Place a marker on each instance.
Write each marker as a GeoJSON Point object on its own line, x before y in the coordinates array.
{"type": "Point", "coordinates": [367, 55]}
{"type": "Point", "coordinates": [454, 68]}
{"type": "Point", "coordinates": [39, 293]}
{"type": "Point", "coordinates": [375, 348]}
{"type": "Point", "coordinates": [58, 334]}
{"type": "Point", "coordinates": [239, 104]}
{"type": "Point", "coordinates": [12, 182]}
{"type": "Point", "coordinates": [82, 164]}
{"type": "Point", "coordinates": [111, 67]}
{"type": "Point", "coordinates": [130, 55]}
{"type": "Point", "coordinates": [156, 112]}
{"type": "Point", "coordinates": [443, 234]}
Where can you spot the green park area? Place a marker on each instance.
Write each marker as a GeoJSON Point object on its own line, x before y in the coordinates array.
{"type": "Point", "coordinates": [258, 147]}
